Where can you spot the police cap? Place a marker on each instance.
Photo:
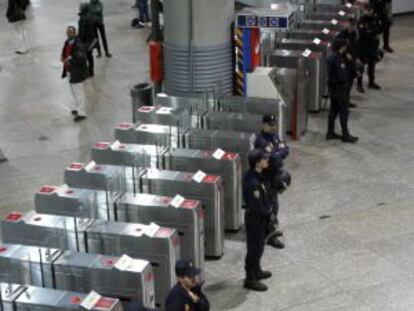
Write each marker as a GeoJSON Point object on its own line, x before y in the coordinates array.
{"type": "Point", "coordinates": [269, 119]}
{"type": "Point", "coordinates": [186, 268]}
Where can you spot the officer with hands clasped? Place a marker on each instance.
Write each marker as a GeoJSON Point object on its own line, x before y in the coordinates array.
{"type": "Point", "coordinates": [186, 295]}
{"type": "Point", "coordinates": [275, 178]}
{"type": "Point", "coordinates": [258, 211]}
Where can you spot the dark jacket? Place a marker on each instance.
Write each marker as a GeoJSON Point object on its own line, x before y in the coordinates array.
{"type": "Point", "coordinates": [179, 300]}
{"type": "Point", "coordinates": [264, 139]}
{"type": "Point", "coordinates": [16, 10]}
{"type": "Point", "coordinates": [352, 39]}
{"type": "Point", "coordinates": [369, 27]}
{"type": "Point", "coordinates": [255, 196]}
{"type": "Point", "coordinates": [77, 65]}
{"type": "Point", "coordinates": [86, 32]}
{"type": "Point", "coordinates": [338, 75]}
{"type": "Point", "coordinates": [381, 8]}
{"type": "Point", "coordinates": [96, 11]}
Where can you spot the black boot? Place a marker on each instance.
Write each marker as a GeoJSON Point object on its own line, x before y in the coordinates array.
{"type": "Point", "coordinates": [374, 86]}
{"type": "Point", "coordinates": [261, 275]}
{"type": "Point", "coordinates": [276, 243]}
{"type": "Point", "coordinates": [350, 139]}
{"type": "Point", "coordinates": [332, 136]}
{"type": "Point", "coordinates": [254, 284]}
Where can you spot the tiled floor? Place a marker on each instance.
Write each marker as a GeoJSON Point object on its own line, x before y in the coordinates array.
{"type": "Point", "coordinates": [360, 258]}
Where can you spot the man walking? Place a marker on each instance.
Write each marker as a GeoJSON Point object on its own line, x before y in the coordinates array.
{"type": "Point", "coordinates": [17, 15]}
{"type": "Point", "coordinates": [74, 62]}
{"type": "Point", "coordinates": [96, 11]}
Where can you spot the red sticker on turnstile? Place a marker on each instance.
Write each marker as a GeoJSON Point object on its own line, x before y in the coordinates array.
{"type": "Point", "coordinates": [146, 109]}
{"type": "Point", "coordinates": [104, 302]}
{"type": "Point", "coordinates": [210, 179]}
{"type": "Point", "coordinates": [190, 204]}
{"type": "Point", "coordinates": [149, 276]}
{"type": "Point", "coordinates": [48, 189]}
{"type": "Point", "coordinates": [125, 126]}
{"type": "Point", "coordinates": [101, 145]}
{"type": "Point", "coordinates": [3, 249]}
{"type": "Point", "coordinates": [109, 262]}
{"type": "Point", "coordinates": [76, 166]}
{"type": "Point", "coordinates": [14, 216]}
{"type": "Point", "coordinates": [230, 156]}
{"type": "Point", "coordinates": [75, 300]}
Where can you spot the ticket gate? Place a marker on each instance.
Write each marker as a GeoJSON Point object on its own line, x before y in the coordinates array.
{"type": "Point", "coordinates": [206, 188]}
{"type": "Point", "coordinates": [231, 141]}
{"type": "Point", "coordinates": [333, 25]}
{"type": "Point", "coordinates": [118, 208]}
{"type": "Point", "coordinates": [312, 63]}
{"type": "Point", "coordinates": [224, 164]}
{"type": "Point", "coordinates": [16, 297]}
{"type": "Point", "coordinates": [311, 34]}
{"type": "Point", "coordinates": [73, 271]}
{"type": "Point", "coordinates": [150, 134]}
{"type": "Point", "coordinates": [160, 246]}
{"type": "Point", "coordinates": [128, 155]}
{"type": "Point", "coordinates": [171, 116]}
{"type": "Point", "coordinates": [232, 121]}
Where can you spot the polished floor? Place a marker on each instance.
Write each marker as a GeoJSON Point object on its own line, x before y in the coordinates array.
{"type": "Point", "coordinates": [348, 217]}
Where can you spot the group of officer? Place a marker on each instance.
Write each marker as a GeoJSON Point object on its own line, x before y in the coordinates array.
{"type": "Point", "coordinates": [354, 48]}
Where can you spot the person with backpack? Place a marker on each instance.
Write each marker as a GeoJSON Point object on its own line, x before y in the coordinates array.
{"type": "Point", "coordinates": [17, 15]}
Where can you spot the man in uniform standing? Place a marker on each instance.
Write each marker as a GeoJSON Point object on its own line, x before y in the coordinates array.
{"type": "Point", "coordinates": [338, 83]}
{"type": "Point", "coordinates": [258, 211]}
{"type": "Point", "coordinates": [382, 9]}
{"type": "Point", "coordinates": [269, 141]}
{"type": "Point", "coordinates": [369, 28]}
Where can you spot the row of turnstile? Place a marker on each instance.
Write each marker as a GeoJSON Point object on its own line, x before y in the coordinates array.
{"type": "Point", "coordinates": [168, 187]}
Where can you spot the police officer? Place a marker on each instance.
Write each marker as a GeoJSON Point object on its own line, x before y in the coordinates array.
{"type": "Point", "coordinates": [186, 295]}
{"type": "Point", "coordinates": [369, 28]}
{"type": "Point", "coordinates": [353, 59]}
{"type": "Point", "coordinates": [338, 83]}
{"type": "Point", "coordinates": [382, 9]}
{"type": "Point", "coordinates": [268, 141]}
{"type": "Point", "coordinates": [258, 211]}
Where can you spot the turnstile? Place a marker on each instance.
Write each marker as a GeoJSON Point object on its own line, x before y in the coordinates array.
{"type": "Point", "coordinates": [312, 64]}
{"type": "Point", "coordinates": [333, 24]}
{"type": "Point", "coordinates": [232, 121]}
{"type": "Point", "coordinates": [311, 34]}
{"type": "Point", "coordinates": [150, 134]}
{"type": "Point", "coordinates": [128, 155]}
{"type": "Point", "coordinates": [231, 141]}
{"type": "Point", "coordinates": [16, 297]}
{"type": "Point", "coordinates": [83, 272]}
{"type": "Point", "coordinates": [160, 246]}
{"type": "Point", "coordinates": [206, 188]}
{"type": "Point", "coordinates": [172, 116]}
{"type": "Point", "coordinates": [224, 164]}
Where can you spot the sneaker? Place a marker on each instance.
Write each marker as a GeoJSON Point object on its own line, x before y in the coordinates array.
{"type": "Point", "coordinates": [255, 285]}
{"type": "Point", "coordinates": [332, 136]}
{"type": "Point", "coordinates": [276, 243]}
{"type": "Point", "coordinates": [79, 118]}
{"type": "Point", "coordinates": [350, 139]}
{"type": "Point", "coordinates": [388, 49]}
{"type": "Point", "coordinates": [360, 89]}
{"type": "Point", "coordinates": [74, 112]}
{"type": "Point", "coordinates": [261, 275]}
{"type": "Point", "coordinates": [352, 105]}
{"type": "Point", "coordinates": [374, 86]}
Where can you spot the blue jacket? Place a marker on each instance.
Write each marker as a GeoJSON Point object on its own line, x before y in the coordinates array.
{"type": "Point", "coordinates": [338, 75]}
{"type": "Point", "coordinates": [179, 300]}
{"type": "Point", "coordinates": [255, 195]}
{"type": "Point", "coordinates": [263, 140]}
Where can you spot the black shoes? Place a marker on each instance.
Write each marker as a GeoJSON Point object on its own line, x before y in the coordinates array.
{"type": "Point", "coordinates": [332, 136]}
{"type": "Point", "coordinates": [278, 233]}
{"type": "Point", "coordinates": [352, 105]}
{"type": "Point", "coordinates": [261, 275]}
{"type": "Point", "coordinates": [276, 243]}
{"type": "Point", "coordinates": [254, 285]}
{"type": "Point", "coordinates": [99, 55]}
{"type": "Point", "coordinates": [74, 112]}
{"type": "Point", "coordinates": [360, 89]}
{"type": "Point", "coordinates": [79, 118]}
{"type": "Point", "coordinates": [107, 54]}
{"type": "Point", "coordinates": [388, 49]}
{"type": "Point", "coordinates": [350, 139]}
{"type": "Point", "coordinates": [374, 86]}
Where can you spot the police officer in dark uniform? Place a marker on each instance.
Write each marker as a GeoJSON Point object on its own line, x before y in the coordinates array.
{"type": "Point", "coordinates": [353, 59]}
{"type": "Point", "coordinates": [338, 83]}
{"type": "Point", "coordinates": [382, 9]}
{"type": "Point", "coordinates": [268, 141]}
{"type": "Point", "coordinates": [187, 294]}
{"type": "Point", "coordinates": [258, 211]}
{"type": "Point", "coordinates": [369, 28]}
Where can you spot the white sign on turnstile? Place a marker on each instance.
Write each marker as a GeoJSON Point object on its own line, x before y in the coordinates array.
{"type": "Point", "coordinates": [199, 176]}
{"type": "Point", "coordinates": [334, 22]}
{"type": "Point", "coordinates": [317, 41]}
{"type": "Point", "coordinates": [326, 31]}
{"type": "Point", "coordinates": [123, 263]}
{"type": "Point", "coordinates": [219, 154]}
{"type": "Point", "coordinates": [177, 201]}
{"type": "Point", "coordinates": [91, 300]}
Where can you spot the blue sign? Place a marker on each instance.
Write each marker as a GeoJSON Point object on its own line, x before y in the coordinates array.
{"type": "Point", "coordinates": [263, 21]}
